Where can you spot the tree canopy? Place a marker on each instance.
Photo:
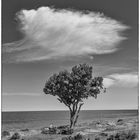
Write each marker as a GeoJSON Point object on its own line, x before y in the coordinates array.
{"type": "Point", "coordinates": [71, 88]}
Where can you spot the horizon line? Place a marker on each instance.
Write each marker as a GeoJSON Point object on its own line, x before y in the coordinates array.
{"type": "Point", "coordinates": [67, 110]}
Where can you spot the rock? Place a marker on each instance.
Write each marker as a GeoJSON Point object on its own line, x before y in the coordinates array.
{"type": "Point", "coordinates": [120, 122]}
{"type": "Point", "coordinates": [25, 130]}
{"type": "Point", "coordinates": [45, 130]}
{"type": "Point", "coordinates": [5, 133]}
{"type": "Point", "coordinates": [15, 136]}
{"type": "Point", "coordinates": [98, 124]}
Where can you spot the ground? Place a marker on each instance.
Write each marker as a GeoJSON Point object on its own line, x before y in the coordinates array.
{"type": "Point", "coordinates": [93, 129]}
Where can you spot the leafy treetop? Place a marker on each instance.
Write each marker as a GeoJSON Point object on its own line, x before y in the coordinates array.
{"type": "Point", "coordinates": [72, 87]}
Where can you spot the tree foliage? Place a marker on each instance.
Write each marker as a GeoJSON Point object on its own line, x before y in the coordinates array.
{"type": "Point", "coordinates": [71, 88]}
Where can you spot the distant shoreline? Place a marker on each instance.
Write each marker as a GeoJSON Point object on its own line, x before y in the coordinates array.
{"type": "Point", "coordinates": [68, 110]}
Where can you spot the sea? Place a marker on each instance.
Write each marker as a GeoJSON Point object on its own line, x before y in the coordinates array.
{"type": "Point", "coordinates": [40, 119]}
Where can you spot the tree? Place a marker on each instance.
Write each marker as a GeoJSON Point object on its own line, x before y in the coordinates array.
{"type": "Point", "coordinates": [71, 88]}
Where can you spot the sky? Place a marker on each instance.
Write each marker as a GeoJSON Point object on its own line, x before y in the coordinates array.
{"type": "Point", "coordinates": [43, 37]}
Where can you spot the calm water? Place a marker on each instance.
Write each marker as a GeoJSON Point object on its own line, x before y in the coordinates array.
{"type": "Point", "coordinates": [39, 119]}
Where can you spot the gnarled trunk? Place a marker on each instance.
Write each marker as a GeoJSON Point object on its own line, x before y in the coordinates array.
{"type": "Point", "coordinates": [74, 114]}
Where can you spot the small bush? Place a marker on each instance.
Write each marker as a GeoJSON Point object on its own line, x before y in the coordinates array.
{"type": "Point", "coordinates": [5, 133]}
{"type": "Point", "coordinates": [47, 130]}
{"type": "Point", "coordinates": [66, 131]}
{"type": "Point", "coordinates": [79, 137]}
{"type": "Point", "coordinates": [52, 130]}
{"type": "Point", "coordinates": [15, 136]}
{"type": "Point", "coordinates": [76, 137]}
{"type": "Point", "coordinates": [123, 136]}
{"type": "Point", "coordinates": [103, 134]}
{"type": "Point", "coordinates": [68, 138]}
{"type": "Point", "coordinates": [111, 137]}
{"type": "Point", "coordinates": [131, 135]}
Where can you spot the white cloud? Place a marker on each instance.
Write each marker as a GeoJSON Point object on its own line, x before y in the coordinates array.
{"type": "Point", "coordinates": [121, 80]}
{"type": "Point", "coordinates": [50, 33]}
{"type": "Point", "coordinates": [108, 82]}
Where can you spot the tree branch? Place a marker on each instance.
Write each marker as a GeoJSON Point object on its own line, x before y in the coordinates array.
{"type": "Point", "coordinates": [77, 114]}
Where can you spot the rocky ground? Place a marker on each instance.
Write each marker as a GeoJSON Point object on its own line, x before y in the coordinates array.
{"type": "Point", "coordinates": [105, 129]}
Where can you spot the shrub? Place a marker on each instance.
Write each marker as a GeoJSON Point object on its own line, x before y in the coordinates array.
{"type": "Point", "coordinates": [76, 137]}
{"type": "Point", "coordinates": [15, 136]}
{"type": "Point", "coordinates": [79, 137]}
{"type": "Point", "coordinates": [111, 137]}
{"type": "Point", "coordinates": [63, 127]}
{"type": "Point", "coordinates": [103, 134]}
{"type": "Point", "coordinates": [5, 133]}
{"type": "Point", "coordinates": [130, 135]}
{"type": "Point", "coordinates": [68, 138]}
{"type": "Point", "coordinates": [52, 130]}
{"type": "Point", "coordinates": [48, 130]}
{"type": "Point", "coordinates": [66, 131]}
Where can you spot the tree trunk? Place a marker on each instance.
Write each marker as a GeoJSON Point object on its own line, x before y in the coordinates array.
{"type": "Point", "coordinates": [72, 117]}
{"type": "Point", "coordinates": [74, 114]}
{"type": "Point", "coordinates": [77, 115]}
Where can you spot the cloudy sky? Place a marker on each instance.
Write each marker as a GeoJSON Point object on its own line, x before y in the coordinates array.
{"type": "Point", "coordinates": [42, 37]}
